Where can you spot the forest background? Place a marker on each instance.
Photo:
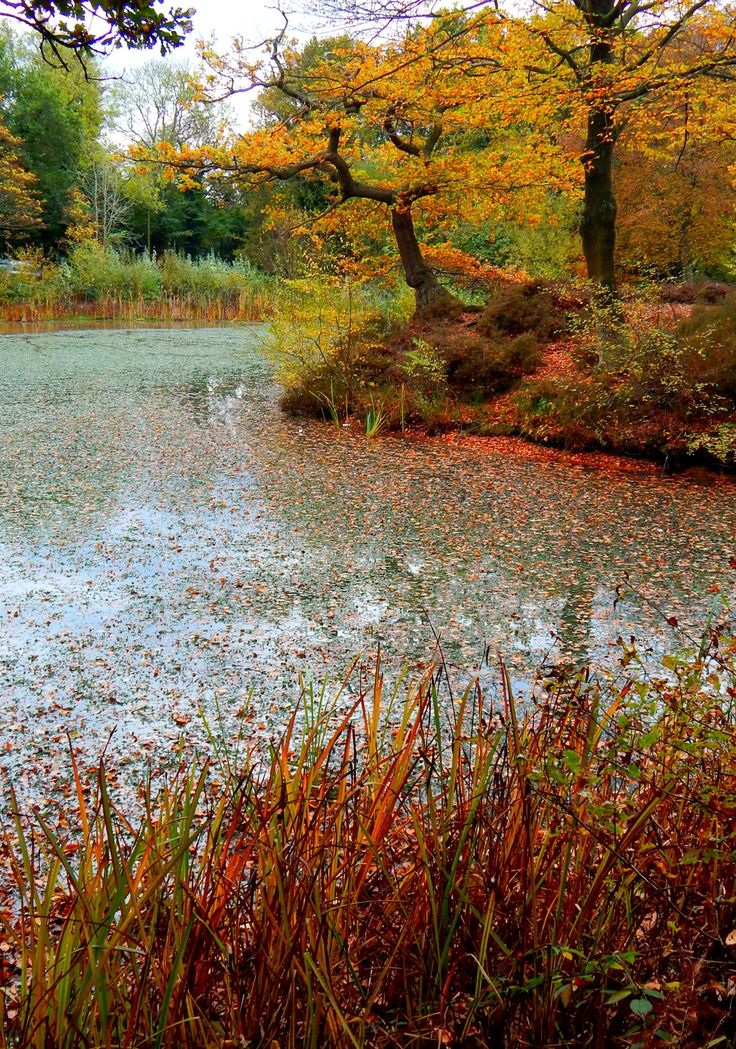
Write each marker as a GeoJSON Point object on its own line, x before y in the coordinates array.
{"type": "Point", "coordinates": [507, 169]}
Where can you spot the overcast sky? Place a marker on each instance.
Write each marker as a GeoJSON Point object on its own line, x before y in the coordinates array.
{"type": "Point", "coordinates": [254, 20]}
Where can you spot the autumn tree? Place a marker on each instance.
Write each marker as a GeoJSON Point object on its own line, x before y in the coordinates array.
{"type": "Point", "coordinates": [611, 58]}
{"type": "Point", "coordinates": [20, 207]}
{"type": "Point", "coordinates": [390, 125]}
{"type": "Point", "coordinates": [674, 185]}
{"type": "Point", "coordinates": [619, 58]}
{"type": "Point", "coordinates": [337, 110]}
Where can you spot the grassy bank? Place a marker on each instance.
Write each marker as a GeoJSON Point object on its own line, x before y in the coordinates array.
{"type": "Point", "coordinates": [421, 870]}
{"type": "Point", "coordinates": [645, 376]}
{"type": "Point", "coordinates": [98, 282]}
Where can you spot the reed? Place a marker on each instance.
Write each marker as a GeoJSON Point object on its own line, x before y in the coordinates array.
{"type": "Point", "coordinates": [419, 869]}
{"type": "Point", "coordinates": [107, 284]}
{"type": "Point", "coordinates": [256, 306]}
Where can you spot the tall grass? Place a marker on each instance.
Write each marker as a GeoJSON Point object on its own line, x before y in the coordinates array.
{"type": "Point", "coordinates": [102, 282]}
{"type": "Point", "coordinates": [420, 870]}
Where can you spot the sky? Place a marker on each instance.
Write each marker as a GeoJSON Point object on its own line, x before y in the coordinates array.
{"type": "Point", "coordinates": [221, 20]}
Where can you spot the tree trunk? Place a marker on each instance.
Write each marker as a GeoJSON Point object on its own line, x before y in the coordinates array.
{"type": "Point", "coordinates": [419, 276]}
{"type": "Point", "coordinates": [598, 224]}
{"type": "Point", "coordinates": [686, 255]}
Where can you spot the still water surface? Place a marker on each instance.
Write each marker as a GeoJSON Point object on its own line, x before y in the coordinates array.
{"type": "Point", "coordinates": [169, 541]}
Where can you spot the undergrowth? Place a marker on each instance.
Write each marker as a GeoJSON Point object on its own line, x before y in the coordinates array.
{"type": "Point", "coordinates": [423, 869]}
{"type": "Point", "coordinates": [648, 389]}
{"type": "Point", "coordinates": [347, 351]}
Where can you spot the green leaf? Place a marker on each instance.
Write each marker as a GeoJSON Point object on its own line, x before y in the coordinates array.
{"type": "Point", "coordinates": [572, 760]}
{"type": "Point", "coordinates": [617, 996]}
{"type": "Point", "coordinates": [640, 1006]}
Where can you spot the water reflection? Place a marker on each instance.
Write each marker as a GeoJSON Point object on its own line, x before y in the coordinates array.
{"type": "Point", "coordinates": [210, 397]}
{"type": "Point", "coordinates": [168, 540]}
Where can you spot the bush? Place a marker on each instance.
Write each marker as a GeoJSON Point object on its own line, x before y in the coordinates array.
{"type": "Point", "coordinates": [717, 445]}
{"type": "Point", "coordinates": [207, 279]}
{"type": "Point", "coordinates": [572, 413]}
{"type": "Point", "coordinates": [487, 366]}
{"type": "Point", "coordinates": [97, 280]}
{"type": "Point", "coordinates": [331, 346]}
{"type": "Point", "coordinates": [707, 292]}
{"type": "Point", "coordinates": [536, 307]}
{"type": "Point", "coordinates": [656, 392]}
{"type": "Point", "coordinates": [340, 350]}
{"type": "Point", "coordinates": [36, 280]}
{"type": "Point", "coordinates": [708, 341]}
{"type": "Point", "coordinates": [94, 273]}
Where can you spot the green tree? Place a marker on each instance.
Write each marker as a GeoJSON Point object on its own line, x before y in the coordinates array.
{"type": "Point", "coordinates": [56, 115]}
{"type": "Point", "coordinates": [158, 103]}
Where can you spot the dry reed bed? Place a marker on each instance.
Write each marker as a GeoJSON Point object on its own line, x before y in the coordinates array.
{"type": "Point", "coordinates": [563, 876]}
{"type": "Point", "coordinates": [248, 306]}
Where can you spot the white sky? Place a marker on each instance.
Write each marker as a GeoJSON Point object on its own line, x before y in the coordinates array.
{"type": "Point", "coordinates": [221, 20]}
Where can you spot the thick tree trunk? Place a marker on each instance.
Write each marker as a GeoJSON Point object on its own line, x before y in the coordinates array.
{"type": "Point", "coordinates": [419, 276]}
{"type": "Point", "coordinates": [598, 224]}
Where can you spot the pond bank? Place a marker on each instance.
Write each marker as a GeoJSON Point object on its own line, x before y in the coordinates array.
{"type": "Point", "coordinates": [539, 361]}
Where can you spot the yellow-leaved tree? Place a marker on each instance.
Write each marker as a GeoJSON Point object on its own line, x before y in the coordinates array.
{"type": "Point", "coordinates": [20, 206]}
{"type": "Point", "coordinates": [674, 184]}
{"type": "Point", "coordinates": [608, 63]}
{"type": "Point", "coordinates": [434, 122]}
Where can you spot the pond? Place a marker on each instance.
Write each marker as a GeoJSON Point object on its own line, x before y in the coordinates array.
{"type": "Point", "coordinates": [169, 542]}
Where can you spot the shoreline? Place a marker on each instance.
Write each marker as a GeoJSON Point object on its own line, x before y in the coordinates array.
{"type": "Point", "coordinates": [446, 431]}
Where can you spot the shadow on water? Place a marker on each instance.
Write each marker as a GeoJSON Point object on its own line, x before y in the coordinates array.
{"type": "Point", "coordinates": [169, 540]}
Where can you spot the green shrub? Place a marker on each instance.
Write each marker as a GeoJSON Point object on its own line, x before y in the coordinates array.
{"type": "Point", "coordinates": [718, 444]}
{"type": "Point", "coordinates": [95, 279]}
{"type": "Point", "coordinates": [36, 280]}
{"type": "Point", "coordinates": [571, 413]}
{"type": "Point", "coordinates": [94, 273]}
{"type": "Point", "coordinates": [206, 279]}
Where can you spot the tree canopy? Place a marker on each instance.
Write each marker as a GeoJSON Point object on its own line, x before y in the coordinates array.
{"type": "Point", "coordinates": [460, 139]}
